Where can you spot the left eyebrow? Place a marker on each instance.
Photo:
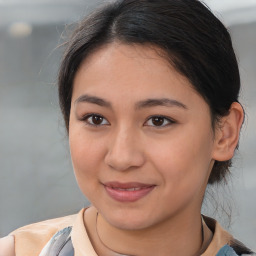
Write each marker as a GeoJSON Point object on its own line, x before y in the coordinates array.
{"type": "Point", "coordinates": [94, 100]}
{"type": "Point", "coordinates": [160, 102]}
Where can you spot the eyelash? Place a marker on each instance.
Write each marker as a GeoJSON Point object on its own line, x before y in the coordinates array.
{"type": "Point", "coordinates": [86, 118]}
{"type": "Point", "coordinates": [166, 120]}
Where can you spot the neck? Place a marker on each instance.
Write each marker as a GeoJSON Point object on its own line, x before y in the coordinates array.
{"type": "Point", "coordinates": [177, 236]}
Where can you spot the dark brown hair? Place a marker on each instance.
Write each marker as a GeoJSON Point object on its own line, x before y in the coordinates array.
{"type": "Point", "coordinates": [195, 42]}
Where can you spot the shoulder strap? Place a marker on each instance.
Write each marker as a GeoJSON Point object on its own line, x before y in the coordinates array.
{"type": "Point", "coordinates": [60, 244]}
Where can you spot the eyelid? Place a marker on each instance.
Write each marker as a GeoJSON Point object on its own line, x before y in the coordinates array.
{"type": "Point", "coordinates": [85, 118]}
{"type": "Point", "coordinates": [170, 121]}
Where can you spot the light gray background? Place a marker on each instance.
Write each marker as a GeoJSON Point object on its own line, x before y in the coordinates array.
{"type": "Point", "coordinates": [36, 178]}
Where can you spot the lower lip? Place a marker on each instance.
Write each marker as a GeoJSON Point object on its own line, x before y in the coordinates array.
{"type": "Point", "coordinates": [128, 196]}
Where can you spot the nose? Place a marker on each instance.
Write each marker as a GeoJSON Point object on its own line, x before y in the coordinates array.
{"type": "Point", "coordinates": [125, 151]}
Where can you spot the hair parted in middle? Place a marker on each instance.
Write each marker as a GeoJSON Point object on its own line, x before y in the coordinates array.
{"type": "Point", "coordinates": [187, 34]}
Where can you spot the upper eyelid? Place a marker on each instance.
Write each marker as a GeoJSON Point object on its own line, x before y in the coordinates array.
{"type": "Point", "coordinates": [86, 116]}
{"type": "Point", "coordinates": [170, 122]}
{"type": "Point", "coordinates": [91, 114]}
{"type": "Point", "coordinates": [165, 117]}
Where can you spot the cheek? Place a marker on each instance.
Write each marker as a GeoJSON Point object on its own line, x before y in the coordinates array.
{"type": "Point", "coordinates": [85, 154]}
{"type": "Point", "coordinates": [184, 160]}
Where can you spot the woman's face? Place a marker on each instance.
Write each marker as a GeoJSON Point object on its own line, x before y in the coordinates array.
{"type": "Point", "coordinates": [141, 139]}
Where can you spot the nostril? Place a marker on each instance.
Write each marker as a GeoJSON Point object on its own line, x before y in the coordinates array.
{"type": "Point", "coordinates": [122, 161]}
{"type": "Point", "coordinates": [124, 151]}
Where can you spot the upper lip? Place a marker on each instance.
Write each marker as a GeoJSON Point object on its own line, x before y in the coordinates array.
{"type": "Point", "coordinates": [127, 185]}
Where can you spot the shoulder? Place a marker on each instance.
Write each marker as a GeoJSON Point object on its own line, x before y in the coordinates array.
{"type": "Point", "coordinates": [47, 225]}
{"type": "Point", "coordinates": [59, 244]}
{"type": "Point", "coordinates": [223, 243]}
{"type": "Point", "coordinates": [7, 246]}
{"type": "Point", "coordinates": [227, 250]}
{"type": "Point", "coordinates": [240, 248]}
{"type": "Point", "coordinates": [30, 239]}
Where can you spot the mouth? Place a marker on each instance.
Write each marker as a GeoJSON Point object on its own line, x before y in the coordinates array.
{"type": "Point", "coordinates": [128, 192]}
{"type": "Point", "coordinates": [127, 189]}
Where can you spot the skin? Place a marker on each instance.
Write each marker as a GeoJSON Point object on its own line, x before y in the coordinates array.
{"type": "Point", "coordinates": [176, 157]}
{"type": "Point", "coordinates": [7, 246]}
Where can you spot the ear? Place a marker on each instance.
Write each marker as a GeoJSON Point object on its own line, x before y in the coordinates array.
{"type": "Point", "coordinates": [227, 133]}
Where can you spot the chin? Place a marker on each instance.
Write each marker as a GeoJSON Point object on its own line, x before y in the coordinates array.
{"type": "Point", "coordinates": [130, 221]}
{"type": "Point", "coordinates": [132, 226]}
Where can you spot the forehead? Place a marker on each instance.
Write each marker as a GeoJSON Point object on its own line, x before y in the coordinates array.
{"type": "Point", "coordinates": [125, 55]}
{"type": "Point", "coordinates": [122, 58]}
{"type": "Point", "coordinates": [130, 71]}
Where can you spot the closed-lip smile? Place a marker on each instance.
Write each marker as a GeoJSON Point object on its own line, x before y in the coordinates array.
{"type": "Point", "coordinates": [127, 192]}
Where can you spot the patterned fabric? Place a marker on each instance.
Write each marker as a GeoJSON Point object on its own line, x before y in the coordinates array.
{"type": "Point", "coordinates": [61, 245]}
{"type": "Point", "coordinates": [229, 251]}
{"type": "Point", "coordinates": [226, 251]}
{"type": "Point", "coordinates": [30, 240]}
{"type": "Point", "coordinates": [240, 248]}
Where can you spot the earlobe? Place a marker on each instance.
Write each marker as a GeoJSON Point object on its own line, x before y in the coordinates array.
{"type": "Point", "coordinates": [227, 133]}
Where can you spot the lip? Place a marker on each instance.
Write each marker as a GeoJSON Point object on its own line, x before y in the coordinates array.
{"type": "Point", "coordinates": [127, 192]}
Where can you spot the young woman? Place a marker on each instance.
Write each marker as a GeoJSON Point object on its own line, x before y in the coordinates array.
{"type": "Point", "coordinates": [149, 93]}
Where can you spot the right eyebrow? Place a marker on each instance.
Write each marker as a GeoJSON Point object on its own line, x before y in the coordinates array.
{"type": "Point", "coordinates": [160, 102]}
{"type": "Point", "coordinates": [94, 100]}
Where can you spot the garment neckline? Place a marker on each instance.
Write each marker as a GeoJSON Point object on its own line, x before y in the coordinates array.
{"type": "Point", "coordinates": [83, 246]}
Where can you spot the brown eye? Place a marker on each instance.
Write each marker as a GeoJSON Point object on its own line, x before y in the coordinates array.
{"type": "Point", "coordinates": [158, 121]}
{"type": "Point", "coordinates": [95, 120]}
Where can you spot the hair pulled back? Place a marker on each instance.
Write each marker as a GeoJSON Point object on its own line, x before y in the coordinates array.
{"type": "Point", "coordinates": [195, 42]}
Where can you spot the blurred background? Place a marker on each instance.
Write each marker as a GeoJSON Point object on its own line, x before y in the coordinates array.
{"type": "Point", "coordinates": [36, 177]}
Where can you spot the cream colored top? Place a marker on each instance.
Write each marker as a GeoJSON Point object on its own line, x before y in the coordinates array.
{"type": "Point", "coordinates": [30, 240]}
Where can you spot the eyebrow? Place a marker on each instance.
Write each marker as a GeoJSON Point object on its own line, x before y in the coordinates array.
{"type": "Point", "coordinates": [94, 100]}
{"type": "Point", "coordinates": [166, 102]}
{"type": "Point", "coordinates": [160, 102]}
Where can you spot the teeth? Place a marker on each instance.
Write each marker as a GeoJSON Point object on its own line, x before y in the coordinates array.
{"type": "Point", "coordinates": [127, 189]}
